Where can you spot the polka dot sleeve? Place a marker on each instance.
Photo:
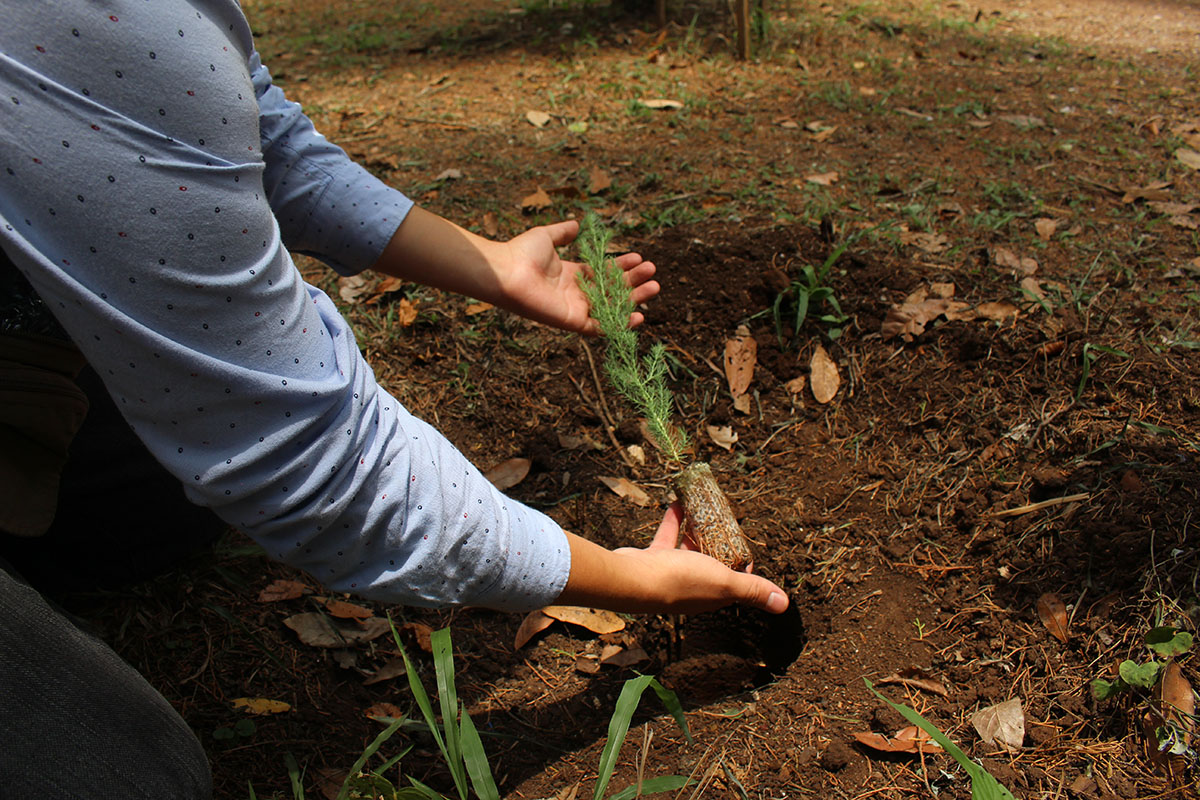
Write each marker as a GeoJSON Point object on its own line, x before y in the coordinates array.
{"type": "Point", "coordinates": [327, 205]}
{"type": "Point", "coordinates": [136, 197]}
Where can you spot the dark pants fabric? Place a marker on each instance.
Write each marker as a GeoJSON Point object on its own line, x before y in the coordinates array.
{"type": "Point", "coordinates": [77, 722]}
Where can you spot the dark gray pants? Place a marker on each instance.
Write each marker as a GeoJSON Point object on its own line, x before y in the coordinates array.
{"type": "Point", "coordinates": [76, 721]}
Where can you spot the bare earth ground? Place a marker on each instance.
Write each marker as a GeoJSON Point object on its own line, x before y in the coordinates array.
{"type": "Point", "coordinates": [1026, 154]}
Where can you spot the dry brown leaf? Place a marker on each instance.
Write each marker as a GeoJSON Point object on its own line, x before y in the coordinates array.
{"type": "Point", "coordinates": [343, 610]}
{"type": "Point", "coordinates": [1045, 228]}
{"type": "Point", "coordinates": [795, 385]}
{"type": "Point", "coordinates": [723, 436]}
{"type": "Point", "coordinates": [942, 290]}
{"type": "Point", "coordinates": [352, 287]}
{"type": "Point", "coordinates": [537, 119]}
{"type": "Point", "coordinates": [569, 442]}
{"type": "Point", "coordinates": [614, 655]}
{"type": "Point", "coordinates": [790, 124]}
{"type": "Point", "coordinates": [588, 664]}
{"type": "Point", "coordinates": [491, 224]}
{"type": "Point", "coordinates": [741, 354]}
{"type": "Point", "coordinates": [474, 309]}
{"type": "Point", "coordinates": [508, 474]}
{"type": "Point", "coordinates": [419, 633]}
{"type": "Point", "coordinates": [261, 705]}
{"type": "Point", "coordinates": [917, 681]}
{"type": "Point", "coordinates": [596, 620]}
{"type": "Point", "coordinates": [598, 181]}
{"type": "Point", "coordinates": [1176, 701]}
{"type": "Point", "coordinates": [824, 133]}
{"type": "Point", "coordinates": [406, 312]}
{"type": "Point", "coordinates": [997, 310]}
{"type": "Point", "coordinates": [907, 740]}
{"type": "Point", "coordinates": [537, 201]}
{"type": "Point", "coordinates": [742, 404]}
{"type": "Point", "coordinates": [392, 669]}
{"type": "Point", "coordinates": [389, 284]}
{"type": "Point", "coordinates": [1033, 287]}
{"type": "Point", "coordinates": [1188, 157]}
{"type": "Point", "coordinates": [929, 242]}
{"type": "Point", "coordinates": [282, 590]}
{"type": "Point", "coordinates": [661, 105]}
{"type": "Point", "coordinates": [1173, 209]}
{"type": "Point", "coordinates": [451, 174]}
{"type": "Point", "coordinates": [1053, 614]}
{"type": "Point", "coordinates": [823, 178]}
{"type": "Point", "coordinates": [1155, 191]}
{"type": "Point", "coordinates": [1001, 725]}
{"type": "Point", "coordinates": [318, 630]}
{"type": "Point", "coordinates": [824, 376]}
{"type": "Point", "coordinates": [1188, 222]}
{"type": "Point", "coordinates": [637, 453]}
{"type": "Point", "coordinates": [1022, 120]}
{"type": "Point", "coordinates": [382, 711]}
{"type": "Point", "coordinates": [909, 319]}
{"type": "Point", "coordinates": [534, 623]}
{"type": "Point", "coordinates": [1020, 265]}
{"type": "Point", "coordinates": [627, 489]}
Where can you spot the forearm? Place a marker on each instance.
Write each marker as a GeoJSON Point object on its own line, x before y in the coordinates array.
{"type": "Point", "coordinates": [433, 251]}
{"type": "Point", "coordinates": [602, 578]}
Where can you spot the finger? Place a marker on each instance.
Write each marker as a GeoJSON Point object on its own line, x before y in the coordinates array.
{"type": "Point", "coordinates": [562, 233]}
{"type": "Point", "coordinates": [667, 535]}
{"type": "Point", "coordinates": [760, 593]}
{"type": "Point", "coordinates": [627, 261]}
{"type": "Point", "coordinates": [644, 292]}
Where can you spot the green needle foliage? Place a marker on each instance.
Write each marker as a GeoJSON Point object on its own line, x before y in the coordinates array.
{"type": "Point", "coordinates": [640, 380]}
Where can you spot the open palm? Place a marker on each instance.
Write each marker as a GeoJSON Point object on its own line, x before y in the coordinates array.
{"type": "Point", "coordinates": [540, 285]}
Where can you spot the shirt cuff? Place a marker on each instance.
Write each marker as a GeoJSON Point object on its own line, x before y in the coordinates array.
{"type": "Point", "coordinates": [536, 567]}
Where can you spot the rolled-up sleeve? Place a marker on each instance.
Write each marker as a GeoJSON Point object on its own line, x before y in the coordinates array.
{"type": "Point", "coordinates": [328, 206]}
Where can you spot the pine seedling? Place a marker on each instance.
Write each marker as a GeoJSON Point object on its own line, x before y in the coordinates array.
{"type": "Point", "coordinates": [642, 381]}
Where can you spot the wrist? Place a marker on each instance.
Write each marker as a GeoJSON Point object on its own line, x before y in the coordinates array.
{"type": "Point", "coordinates": [607, 579]}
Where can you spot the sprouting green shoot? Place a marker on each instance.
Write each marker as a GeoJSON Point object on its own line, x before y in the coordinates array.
{"type": "Point", "coordinates": [641, 381]}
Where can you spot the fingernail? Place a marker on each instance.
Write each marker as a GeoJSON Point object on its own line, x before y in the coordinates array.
{"type": "Point", "coordinates": [776, 603]}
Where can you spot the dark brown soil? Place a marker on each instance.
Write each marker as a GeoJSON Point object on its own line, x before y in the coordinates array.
{"type": "Point", "coordinates": [907, 517]}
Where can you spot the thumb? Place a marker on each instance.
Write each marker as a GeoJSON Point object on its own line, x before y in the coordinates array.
{"type": "Point", "coordinates": [758, 592]}
{"type": "Point", "coordinates": [667, 535]}
{"type": "Point", "coordinates": [562, 233]}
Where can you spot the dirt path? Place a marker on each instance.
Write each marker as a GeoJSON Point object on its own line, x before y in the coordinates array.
{"type": "Point", "coordinates": [1118, 27]}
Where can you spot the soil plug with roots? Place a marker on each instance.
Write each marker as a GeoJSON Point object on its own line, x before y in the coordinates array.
{"type": "Point", "coordinates": [708, 518]}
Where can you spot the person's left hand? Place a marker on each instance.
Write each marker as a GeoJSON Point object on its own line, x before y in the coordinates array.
{"type": "Point", "coordinates": [536, 283]}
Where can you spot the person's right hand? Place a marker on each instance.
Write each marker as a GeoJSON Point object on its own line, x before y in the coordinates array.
{"type": "Point", "coordinates": [662, 578]}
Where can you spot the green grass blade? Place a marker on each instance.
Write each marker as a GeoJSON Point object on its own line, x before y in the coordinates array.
{"type": "Point", "coordinates": [423, 791]}
{"type": "Point", "coordinates": [443, 667]}
{"type": "Point", "coordinates": [618, 726]}
{"type": "Point", "coordinates": [671, 701]}
{"type": "Point", "coordinates": [419, 694]}
{"type": "Point", "coordinates": [476, 760]}
{"type": "Point", "coordinates": [391, 762]}
{"type": "Point", "coordinates": [250, 786]}
{"type": "Point", "coordinates": [294, 775]}
{"type": "Point", "coordinates": [983, 785]}
{"type": "Point", "coordinates": [664, 783]}
{"type": "Point", "coordinates": [372, 748]}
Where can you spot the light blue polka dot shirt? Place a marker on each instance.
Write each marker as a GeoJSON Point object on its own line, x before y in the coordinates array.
{"type": "Point", "coordinates": [151, 181]}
